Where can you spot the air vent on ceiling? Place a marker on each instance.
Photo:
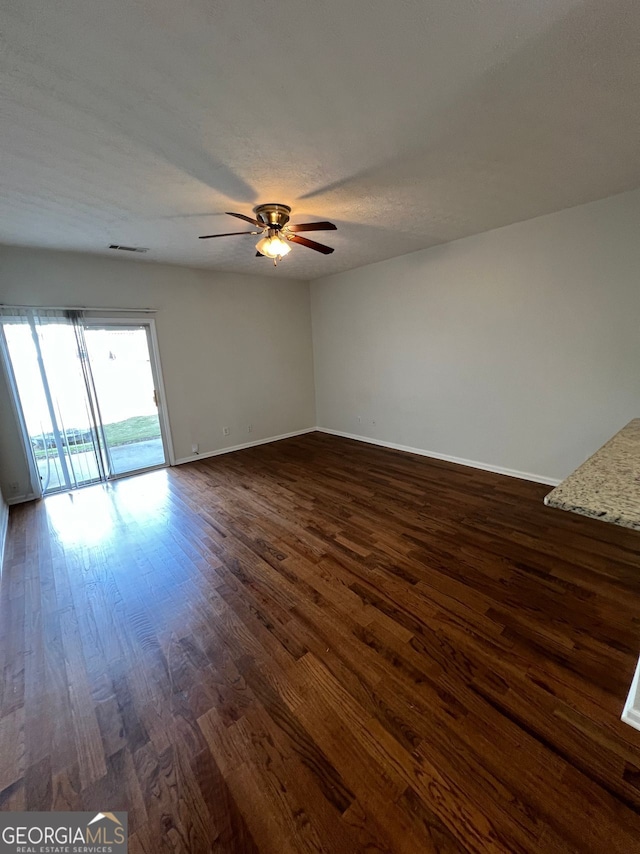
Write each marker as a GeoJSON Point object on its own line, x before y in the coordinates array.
{"type": "Point", "coordinates": [127, 248]}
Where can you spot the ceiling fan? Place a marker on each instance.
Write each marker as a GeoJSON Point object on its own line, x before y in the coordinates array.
{"type": "Point", "coordinates": [272, 223]}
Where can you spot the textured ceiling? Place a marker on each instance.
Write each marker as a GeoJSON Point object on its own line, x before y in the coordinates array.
{"type": "Point", "coordinates": [407, 123]}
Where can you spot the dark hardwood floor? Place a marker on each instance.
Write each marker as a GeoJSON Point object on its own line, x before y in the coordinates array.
{"type": "Point", "coordinates": [319, 645]}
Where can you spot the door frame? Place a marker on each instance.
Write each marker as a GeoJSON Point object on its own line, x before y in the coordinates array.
{"type": "Point", "coordinates": [90, 318]}
{"type": "Point", "coordinates": [101, 319]}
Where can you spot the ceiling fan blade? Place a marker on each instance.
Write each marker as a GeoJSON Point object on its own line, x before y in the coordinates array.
{"type": "Point", "coordinates": [246, 219]}
{"type": "Point", "coordinates": [313, 226]}
{"type": "Point", "coordinates": [227, 234]}
{"type": "Point", "coordinates": [310, 244]}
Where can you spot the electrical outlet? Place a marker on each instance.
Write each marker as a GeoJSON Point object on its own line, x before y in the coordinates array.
{"type": "Point", "coordinates": [14, 486]}
{"type": "Point", "coordinates": [226, 431]}
{"type": "Point", "coordinates": [195, 448]}
{"type": "Point", "coordinates": [250, 428]}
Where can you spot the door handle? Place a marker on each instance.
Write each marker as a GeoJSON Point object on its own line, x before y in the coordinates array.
{"type": "Point", "coordinates": [155, 397]}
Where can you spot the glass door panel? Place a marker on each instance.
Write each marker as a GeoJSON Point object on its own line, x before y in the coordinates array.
{"type": "Point", "coordinates": [55, 403]}
{"type": "Point", "coordinates": [125, 390]}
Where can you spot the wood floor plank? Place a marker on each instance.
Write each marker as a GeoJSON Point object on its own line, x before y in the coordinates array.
{"type": "Point", "coordinates": [12, 747]}
{"type": "Point", "coordinates": [320, 645]}
{"type": "Point", "coordinates": [231, 831]}
{"type": "Point", "coordinates": [308, 820]}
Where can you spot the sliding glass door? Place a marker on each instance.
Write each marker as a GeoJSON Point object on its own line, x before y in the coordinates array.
{"type": "Point", "coordinates": [88, 391]}
{"type": "Point", "coordinates": [126, 389]}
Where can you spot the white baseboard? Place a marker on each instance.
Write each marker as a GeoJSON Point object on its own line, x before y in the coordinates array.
{"type": "Point", "coordinates": [523, 475]}
{"type": "Point", "coordinates": [4, 526]}
{"type": "Point", "coordinates": [20, 499]}
{"type": "Point", "coordinates": [254, 444]}
{"type": "Point", "coordinates": [631, 712]}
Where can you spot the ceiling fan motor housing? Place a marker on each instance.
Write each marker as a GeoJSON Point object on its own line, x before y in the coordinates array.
{"type": "Point", "coordinates": [273, 215]}
{"type": "Point", "coordinates": [272, 222]}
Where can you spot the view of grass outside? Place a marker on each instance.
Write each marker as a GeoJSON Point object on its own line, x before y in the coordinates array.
{"type": "Point", "coordinates": [137, 429]}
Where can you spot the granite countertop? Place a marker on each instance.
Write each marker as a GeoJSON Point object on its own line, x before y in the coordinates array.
{"type": "Point", "coordinates": [607, 485]}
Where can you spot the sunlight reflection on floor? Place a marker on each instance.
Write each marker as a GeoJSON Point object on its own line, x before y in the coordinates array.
{"type": "Point", "coordinates": [86, 516]}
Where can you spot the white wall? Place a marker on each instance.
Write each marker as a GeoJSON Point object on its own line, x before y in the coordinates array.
{"type": "Point", "coordinates": [234, 349]}
{"type": "Point", "coordinates": [517, 348]}
{"type": "Point", "coordinates": [13, 460]}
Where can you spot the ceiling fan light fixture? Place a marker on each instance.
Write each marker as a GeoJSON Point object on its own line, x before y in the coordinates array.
{"type": "Point", "coordinates": [273, 246]}
{"type": "Point", "coordinates": [272, 220]}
